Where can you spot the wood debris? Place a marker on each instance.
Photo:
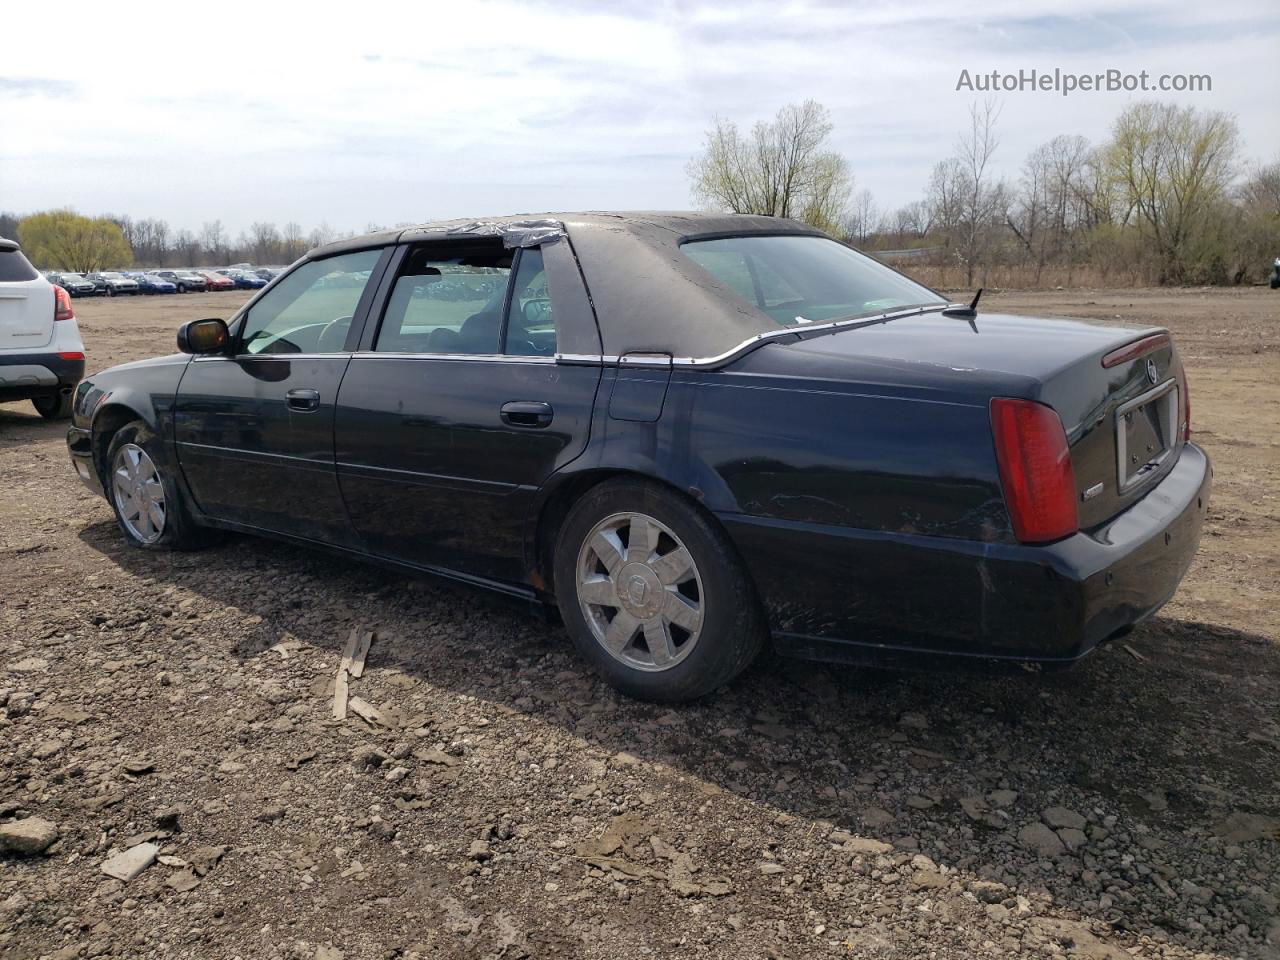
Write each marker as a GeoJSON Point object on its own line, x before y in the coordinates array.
{"type": "Point", "coordinates": [367, 711]}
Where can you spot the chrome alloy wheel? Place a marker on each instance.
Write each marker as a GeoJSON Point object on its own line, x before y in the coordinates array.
{"type": "Point", "coordinates": [138, 492]}
{"type": "Point", "coordinates": [640, 592]}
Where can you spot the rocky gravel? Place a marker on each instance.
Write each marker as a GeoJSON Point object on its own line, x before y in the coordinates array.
{"type": "Point", "coordinates": [173, 782]}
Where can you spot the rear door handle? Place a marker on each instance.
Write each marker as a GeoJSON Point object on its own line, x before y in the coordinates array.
{"type": "Point", "coordinates": [303, 399]}
{"type": "Point", "coordinates": [527, 413]}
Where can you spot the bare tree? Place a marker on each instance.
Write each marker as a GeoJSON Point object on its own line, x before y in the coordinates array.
{"type": "Point", "coordinates": [294, 241]}
{"type": "Point", "coordinates": [186, 246]}
{"type": "Point", "coordinates": [214, 240]}
{"type": "Point", "coordinates": [264, 241]}
{"type": "Point", "coordinates": [783, 169]}
{"type": "Point", "coordinates": [981, 197]}
{"type": "Point", "coordinates": [862, 219]}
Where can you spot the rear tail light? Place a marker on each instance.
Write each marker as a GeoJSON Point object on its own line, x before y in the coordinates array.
{"type": "Point", "coordinates": [1035, 470]}
{"type": "Point", "coordinates": [72, 355]}
{"type": "Point", "coordinates": [62, 305]}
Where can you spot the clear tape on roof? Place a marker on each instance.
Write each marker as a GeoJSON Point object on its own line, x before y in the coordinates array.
{"type": "Point", "coordinates": [515, 233]}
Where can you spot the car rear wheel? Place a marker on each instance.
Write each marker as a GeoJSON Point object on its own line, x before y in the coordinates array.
{"type": "Point", "coordinates": [653, 593]}
{"type": "Point", "coordinates": [143, 491]}
{"type": "Point", "coordinates": [56, 407]}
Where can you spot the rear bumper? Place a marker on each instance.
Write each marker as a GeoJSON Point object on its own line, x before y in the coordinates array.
{"type": "Point", "coordinates": [30, 375]}
{"type": "Point", "coordinates": [834, 593]}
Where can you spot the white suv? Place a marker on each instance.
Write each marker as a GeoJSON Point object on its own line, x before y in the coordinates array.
{"type": "Point", "coordinates": [41, 355]}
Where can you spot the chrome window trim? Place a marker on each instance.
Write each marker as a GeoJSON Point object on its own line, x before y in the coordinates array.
{"type": "Point", "coordinates": [631, 360]}
{"type": "Point", "coordinates": [746, 346]}
{"type": "Point", "coordinates": [487, 357]}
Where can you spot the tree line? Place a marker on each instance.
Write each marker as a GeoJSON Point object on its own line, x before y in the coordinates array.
{"type": "Point", "coordinates": [65, 240]}
{"type": "Point", "coordinates": [1167, 198]}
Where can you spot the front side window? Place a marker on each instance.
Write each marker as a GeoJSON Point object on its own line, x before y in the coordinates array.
{"type": "Point", "coordinates": [310, 310]}
{"type": "Point", "coordinates": [797, 280]}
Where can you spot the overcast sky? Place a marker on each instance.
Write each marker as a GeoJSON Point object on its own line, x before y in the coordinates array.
{"type": "Point", "coordinates": [385, 112]}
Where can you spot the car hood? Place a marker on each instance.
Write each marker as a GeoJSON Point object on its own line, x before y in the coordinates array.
{"type": "Point", "coordinates": [102, 377]}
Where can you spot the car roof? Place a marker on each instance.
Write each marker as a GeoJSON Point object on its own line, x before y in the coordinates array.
{"type": "Point", "coordinates": [648, 297]}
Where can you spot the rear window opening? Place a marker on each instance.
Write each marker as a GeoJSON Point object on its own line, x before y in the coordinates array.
{"type": "Point", "coordinates": [799, 280]}
{"type": "Point", "coordinates": [15, 268]}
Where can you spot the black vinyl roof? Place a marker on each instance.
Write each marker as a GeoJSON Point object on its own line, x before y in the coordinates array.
{"type": "Point", "coordinates": [648, 296]}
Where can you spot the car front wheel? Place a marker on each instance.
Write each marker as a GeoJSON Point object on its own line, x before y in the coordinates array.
{"type": "Point", "coordinates": [653, 593]}
{"type": "Point", "coordinates": [143, 490]}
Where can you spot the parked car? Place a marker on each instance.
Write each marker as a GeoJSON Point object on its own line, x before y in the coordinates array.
{"type": "Point", "coordinates": [247, 281]}
{"type": "Point", "coordinates": [216, 281]}
{"type": "Point", "coordinates": [153, 283]}
{"type": "Point", "coordinates": [1275, 274]}
{"type": "Point", "coordinates": [75, 284]}
{"type": "Point", "coordinates": [186, 281]}
{"type": "Point", "coordinates": [114, 284]}
{"type": "Point", "coordinates": [41, 354]}
{"type": "Point", "coordinates": [747, 428]}
{"type": "Point", "coordinates": [269, 273]}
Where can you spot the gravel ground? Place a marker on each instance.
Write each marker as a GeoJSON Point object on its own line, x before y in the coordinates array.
{"type": "Point", "coordinates": [166, 719]}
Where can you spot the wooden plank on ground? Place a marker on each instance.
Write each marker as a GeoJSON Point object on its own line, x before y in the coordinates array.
{"type": "Point", "coordinates": [340, 689]}
{"type": "Point", "coordinates": [356, 669]}
{"type": "Point", "coordinates": [366, 710]}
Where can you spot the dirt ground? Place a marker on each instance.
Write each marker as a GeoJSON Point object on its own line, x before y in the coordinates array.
{"type": "Point", "coordinates": [514, 806]}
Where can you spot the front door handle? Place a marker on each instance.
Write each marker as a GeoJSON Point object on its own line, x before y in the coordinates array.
{"type": "Point", "coordinates": [303, 399]}
{"type": "Point", "coordinates": [527, 413]}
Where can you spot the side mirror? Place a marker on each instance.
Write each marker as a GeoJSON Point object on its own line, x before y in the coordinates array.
{"type": "Point", "coordinates": [203, 336]}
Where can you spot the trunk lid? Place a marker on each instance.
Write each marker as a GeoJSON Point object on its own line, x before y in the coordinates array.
{"type": "Point", "coordinates": [1132, 409]}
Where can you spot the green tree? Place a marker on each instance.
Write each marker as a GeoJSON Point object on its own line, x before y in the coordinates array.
{"type": "Point", "coordinates": [61, 239]}
{"type": "Point", "coordinates": [783, 169]}
{"type": "Point", "coordinates": [1172, 168]}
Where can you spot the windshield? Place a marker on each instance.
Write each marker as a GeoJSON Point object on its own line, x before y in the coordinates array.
{"type": "Point", "coordinates": [798, 280]}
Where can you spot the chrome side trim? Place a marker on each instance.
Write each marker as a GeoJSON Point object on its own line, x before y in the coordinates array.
{"type": "Point", "coordinates": [746, 346]}
{"type": "Point", "coordinates": [486, 357]}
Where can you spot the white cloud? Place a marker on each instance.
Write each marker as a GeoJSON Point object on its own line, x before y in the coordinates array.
{"type": "Point", "coordinates": [404, 111]}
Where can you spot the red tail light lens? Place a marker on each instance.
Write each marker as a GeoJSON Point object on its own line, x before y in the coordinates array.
{"type": "Point", "coordinates": [62, 305]}
{"type": "Point", "coordinates": [1035, 470]}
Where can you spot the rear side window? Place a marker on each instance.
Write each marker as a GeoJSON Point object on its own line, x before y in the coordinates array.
{"type": "Point", "coordinates": [531, 324]}
{"type": "Point", "coordinates": [15, 268]}
{"type": "Point", "coordinates": [447, 300]}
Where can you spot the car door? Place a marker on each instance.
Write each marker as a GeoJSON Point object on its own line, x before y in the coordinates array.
{"type": "Point", "coordinates": [456, 408]}
{"type": "Point", "coordinates": [254, 429]}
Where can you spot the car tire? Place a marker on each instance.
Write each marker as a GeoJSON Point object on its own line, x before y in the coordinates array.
{"type": "Point", "coordinates": [133, 494]}
{"type": "Point", "coordinates": [55, 407]}
{"type": "Point", "coordinates": [182, 288]}
{"type": "Point", "coordinates": [680, 626]}
{"type": "Point", "coordinates": [111, 291]}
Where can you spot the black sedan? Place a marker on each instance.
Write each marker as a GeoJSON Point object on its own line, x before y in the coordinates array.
{"type": "Point", "coordinates": [75, 284]}
{"type": "Point", "coordinates": [688, 432]}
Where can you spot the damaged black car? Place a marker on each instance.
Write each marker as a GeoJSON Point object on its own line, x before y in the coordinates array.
{"type": "Point", "coordinates": [691, 433]}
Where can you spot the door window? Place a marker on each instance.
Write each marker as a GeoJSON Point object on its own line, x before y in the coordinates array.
{"type": "Point", "coordinates": [531, 325]}
{"type": "Point", "coordinates": [310, 310]}
{"type": "Point", "coordinates": [447, 300]}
